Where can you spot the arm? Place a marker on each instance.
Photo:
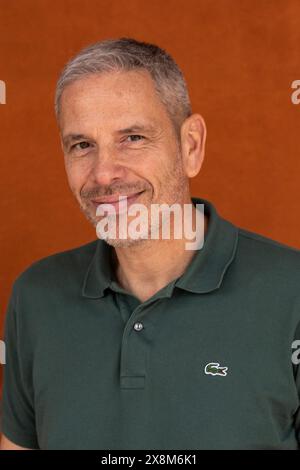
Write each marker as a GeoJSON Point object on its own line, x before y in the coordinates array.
{"type": "Point", "coordinates": [6, 444]}
{"type": "Point", "coordinates": [18, 414]}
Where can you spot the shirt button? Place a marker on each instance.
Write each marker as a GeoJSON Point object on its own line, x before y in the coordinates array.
{"type": "Point", "coordinates": [138, 326]}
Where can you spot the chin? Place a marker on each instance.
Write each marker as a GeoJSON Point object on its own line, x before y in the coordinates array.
{"type": "Point", "coordinates": [121, 243]}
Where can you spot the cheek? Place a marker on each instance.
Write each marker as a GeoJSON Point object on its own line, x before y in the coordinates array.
{"type": "Point", "coordinates": [158, 165]}
{"type": "Point", "coordinates": [168, 168]}
{"type": "Point", "coordinates": [76, 175]}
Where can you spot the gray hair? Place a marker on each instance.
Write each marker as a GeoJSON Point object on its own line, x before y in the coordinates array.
{"type": "Point", "coordinates": [129, 54]}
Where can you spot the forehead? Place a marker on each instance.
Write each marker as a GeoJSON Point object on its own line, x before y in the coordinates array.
{"type": "Point", "coordinates": [111, 99]}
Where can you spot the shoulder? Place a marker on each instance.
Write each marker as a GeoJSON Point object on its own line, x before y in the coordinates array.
{"type": "Point", "coordinates": [60, 267]}
{"type": "Point", "coordinates": [269, 257]}
{"type": "Point", "coordinates": [267, 245]}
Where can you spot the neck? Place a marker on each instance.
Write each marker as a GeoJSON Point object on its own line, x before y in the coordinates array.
{"type": "Point", "coordinates": [145, 268]}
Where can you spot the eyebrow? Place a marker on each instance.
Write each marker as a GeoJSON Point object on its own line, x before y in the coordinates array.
{"type": "Point", "coordinates": [137, 128]}
{"type": "Point", "coordinates": [128, 130]}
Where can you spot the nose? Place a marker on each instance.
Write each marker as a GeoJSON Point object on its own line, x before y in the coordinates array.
{"type": "Point", "coordinates": [106, 169]}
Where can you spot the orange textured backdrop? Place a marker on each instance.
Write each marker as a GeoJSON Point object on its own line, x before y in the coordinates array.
{"type": "Point", "coordinates": [239, 58]}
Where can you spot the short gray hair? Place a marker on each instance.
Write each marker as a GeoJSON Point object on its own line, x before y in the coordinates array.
{"type": "Point", "coordinates": [129, 54]}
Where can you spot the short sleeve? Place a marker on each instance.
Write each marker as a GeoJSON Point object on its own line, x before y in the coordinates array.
{"type": "Point", "coordinates": [17, 416]}
{"type": "Point", "coordinates": [297, 379]}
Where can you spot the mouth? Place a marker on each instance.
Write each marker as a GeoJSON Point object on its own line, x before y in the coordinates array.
{"type": "Point", "coordinates": [117, 203]}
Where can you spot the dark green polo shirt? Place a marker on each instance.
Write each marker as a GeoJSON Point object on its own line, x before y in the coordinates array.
{"type": "Point", "coordinates": [203, 364]}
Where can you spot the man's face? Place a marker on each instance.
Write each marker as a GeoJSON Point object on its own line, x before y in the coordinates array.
{"type": "Point", "coordinates": [118, 140]}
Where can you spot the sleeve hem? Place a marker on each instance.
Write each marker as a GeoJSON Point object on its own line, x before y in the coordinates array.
{"type": "Point", "coordinates": [20, 439]}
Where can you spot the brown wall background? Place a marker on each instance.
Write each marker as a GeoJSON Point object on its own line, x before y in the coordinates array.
{"type": "Point", "coordinates": [239, 58]}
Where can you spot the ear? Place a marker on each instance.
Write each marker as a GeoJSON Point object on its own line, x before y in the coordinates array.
{"type": "Point", "coordinates": [193, 137]}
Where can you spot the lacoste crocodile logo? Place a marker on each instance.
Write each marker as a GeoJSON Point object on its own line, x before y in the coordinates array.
{"type": "Point", "coordinates": [213, 368]}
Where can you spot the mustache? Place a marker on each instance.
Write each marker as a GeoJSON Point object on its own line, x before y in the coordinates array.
{"type": "Point", "coordinates": [111, 190]}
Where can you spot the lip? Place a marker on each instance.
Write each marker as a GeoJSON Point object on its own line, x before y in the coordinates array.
{"type": "Point", "coordinates": [118, 203]}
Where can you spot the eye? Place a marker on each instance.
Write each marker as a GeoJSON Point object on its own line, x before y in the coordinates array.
{"type": "Point", "coordinates": [80, 146]}
{"type": "Point", "coordinates": [134, 137]}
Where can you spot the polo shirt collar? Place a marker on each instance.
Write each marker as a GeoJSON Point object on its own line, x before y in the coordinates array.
{"type": "Point", "coordinates": [99, 273]}
{"type": "Point", "coordinates": [205, 272]}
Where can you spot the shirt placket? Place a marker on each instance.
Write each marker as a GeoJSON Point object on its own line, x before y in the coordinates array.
{"type": "Point", "coordinates": [137, 336]}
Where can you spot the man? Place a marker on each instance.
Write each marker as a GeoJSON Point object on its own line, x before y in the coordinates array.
{"type": "Point", "coordinates": [137, 342]}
